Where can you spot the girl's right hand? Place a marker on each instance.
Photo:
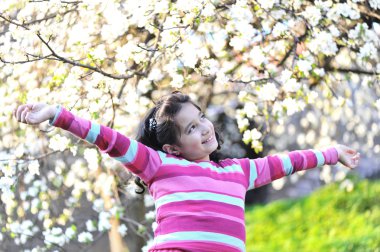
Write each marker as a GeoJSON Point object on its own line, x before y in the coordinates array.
{"type": "Point", "coordinates": [34, 113]}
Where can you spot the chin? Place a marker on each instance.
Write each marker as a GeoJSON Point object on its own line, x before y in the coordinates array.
{"type": "Point", "coordinates": [215, 147]}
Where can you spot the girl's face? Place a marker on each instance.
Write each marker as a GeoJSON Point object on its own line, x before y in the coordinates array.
{"type": "Point", "coordinates": [197, 139]}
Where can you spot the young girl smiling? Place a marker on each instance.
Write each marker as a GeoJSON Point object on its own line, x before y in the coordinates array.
{"type": "Point", "coordinates": [199, 199]}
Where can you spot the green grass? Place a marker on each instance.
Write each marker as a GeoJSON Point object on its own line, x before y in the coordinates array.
{"type": "Point", "coordinates": [330, 219]}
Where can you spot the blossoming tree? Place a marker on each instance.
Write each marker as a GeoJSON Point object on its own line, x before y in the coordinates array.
{"type": "Point", "coordinates": [107, 60]}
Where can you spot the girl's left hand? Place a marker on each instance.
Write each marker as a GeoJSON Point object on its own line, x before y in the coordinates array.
{"type": "Point", "coordinates": [347, 156]}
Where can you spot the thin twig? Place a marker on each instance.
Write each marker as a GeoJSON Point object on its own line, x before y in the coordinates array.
{"type": "Point", "coordinates": [57, 57]}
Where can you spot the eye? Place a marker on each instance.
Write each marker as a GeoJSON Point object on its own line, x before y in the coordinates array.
{"type": "Point", "coordinates": [191, 128]}
{"type": "Point", "coordinates": [203, 116]}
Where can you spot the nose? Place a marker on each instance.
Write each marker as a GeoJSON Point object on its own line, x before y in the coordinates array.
{"type": "Point", "coordinates": [205, 129]}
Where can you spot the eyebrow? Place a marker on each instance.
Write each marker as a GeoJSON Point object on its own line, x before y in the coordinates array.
{"type": "Point", "coordinates": [187, 127]}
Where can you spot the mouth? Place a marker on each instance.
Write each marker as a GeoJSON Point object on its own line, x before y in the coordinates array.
{"type": "Point", "coordinates": [208, 140]}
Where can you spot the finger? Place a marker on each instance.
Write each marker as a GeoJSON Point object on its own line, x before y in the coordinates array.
{"type": "Point", "coordinates": [23, 115]}
{"type": "Point", "coordinates": [357, 156]}
{"type": "Point", "coordinates": [27, 117]}
{"type": "Point", "coordinates": [19, 111]}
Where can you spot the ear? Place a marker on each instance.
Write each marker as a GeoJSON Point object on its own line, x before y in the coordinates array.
{"type": "Point", "coordinates": [171, 149]}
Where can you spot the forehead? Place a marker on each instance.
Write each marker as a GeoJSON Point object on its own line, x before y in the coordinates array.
{"type": "Point", "coordinates": [187, 114]}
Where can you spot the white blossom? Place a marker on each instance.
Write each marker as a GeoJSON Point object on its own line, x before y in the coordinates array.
{"type": "Point", "coordinates": [312, 14]}
{"type": "Point", "coordinates": [34, 167]}
{"type": "Point", "coordinates": [155, 75]}
{"type": "Point", "coordinates": [377, 104]}
{"type": "Point", "coordinates": [286, 75]}
{"type": "Point", "coordinates": [240, 12]}
{"type": "Point", "coordinates": [375, 4]}
{"type": "Point", "coordinates": [99, 52]}
{"type": "Point", "coordinates": [122, 229]}
{"type": "Point", "coordinates": [334, 31]}
{"type": "Point", "coordinates": [8, 170]}
{"type": "Point", "coordinates": [257, 56]}
{"type": "Point", "coordinates": [304, 66]}
{"type": "Point", "coordinates": [368, 50]}
{"type": "Point", "coordinates": [347, 185]}
{"type": "Point", "coordinates": [323, 42]}
{"type": "Point", "coordinates": [251, 135]}
{"type": "Point", "coordinates": [177, 81]}
{"type": "Point", "coordinates": [291, 106]}
{"type": "Point", "coordinates": [346, 10]}
{"type": "Point", "coordinates": [359, 30]}
{"type": "Point", "coordinates": [120, 67]}
{"type": "Point", "coordinates": [85, 237]}
{"type": "Point", "coordinates": [255, 134]}
{"type": "Point", "coordinates": [209, 66]}
{"type": "Point", "coordinates": [319, 71]}
{"type": "Point", "coordinates": [243, 123]}
{"type": "Point", "coordinates": [148, 200]}
{"type": "Point", "coordinates": [154, 226]}
{"type": "Point", "coordinates": [268, 92]}
{"type": "Point", "coordinates": [98, 205]}
{"type": "Point", "coordinates": [20, 150]}
{"type": "Point", "coordinates": [144, 85]}
{"type": "Point", "coordinates": [292, 85]}
{"type": "Point", "coordinates": [279, 29]}
{"type": "Point", "coordinates": [221, 78]}
{"type": "Point", "coordinates": [54, 236]}
{"type": "Point", "coordinates": [208, 10]}
{"type": "Point", "coordinates": [6, 183]}
{"type": "Point", "coordinates": [147, 246]}
{"type": "Point", "coordinates": [90, 226]}
{"type": "Point", "coordinates": [267, 4]}
{"type": "Point", "coordinates": [70, 233]}
{"type": "Point", "coordinates": [151, 215]}
{"type": "Point", "coordinates": [91, 156]}
{"type": "Point", "coordinates": [104, 221]}
{"type": "Point", "coordinates": [239, 43]}
{"type": "Point", "coordinates": [250, 109]}
{"type": "Point", "coordinates": [161, 6]}
{"type": "Point", "coordinates": [58, 143]}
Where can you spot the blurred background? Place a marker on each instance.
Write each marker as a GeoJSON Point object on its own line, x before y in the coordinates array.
{"type": "Point", "coordinates": [273, 76]}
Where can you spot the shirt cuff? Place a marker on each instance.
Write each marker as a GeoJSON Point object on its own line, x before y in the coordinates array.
{"type": "Point", "coordinates": [57, 113]}
{"type": "Point", "coordinates": [331, 156]}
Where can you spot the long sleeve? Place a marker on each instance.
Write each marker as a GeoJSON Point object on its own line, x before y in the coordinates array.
{"type": "Point", "coordinates": [262, 171]}
{"type": "Point", "coordinates": [138, 158]}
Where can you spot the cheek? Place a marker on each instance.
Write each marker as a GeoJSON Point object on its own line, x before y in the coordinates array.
{"type": "Point", "coordinates": [192, 143]}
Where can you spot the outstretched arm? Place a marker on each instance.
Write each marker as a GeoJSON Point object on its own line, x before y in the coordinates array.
{"type": "Point", "coordinates": [34, 113]}
{"type": "Point", "coordinates": [138, 158]}
{"type": "Point", "coordinates": [348, 156]}
{"type": "Point", "coordinates": [262, 171]}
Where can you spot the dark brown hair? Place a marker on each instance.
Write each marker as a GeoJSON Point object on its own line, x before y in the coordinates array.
{"type": "Point", "coordinates": [158, 125]}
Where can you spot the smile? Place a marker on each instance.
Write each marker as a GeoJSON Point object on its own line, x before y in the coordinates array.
{"type": "Point", "coordinates": [208, 139]}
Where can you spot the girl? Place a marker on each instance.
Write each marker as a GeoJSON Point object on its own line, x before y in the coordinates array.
{"type": "Point", "coordinates": [199, 200]}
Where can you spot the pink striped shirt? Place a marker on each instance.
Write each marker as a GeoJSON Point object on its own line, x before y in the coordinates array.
{"type": "Point", "coordinates": [199, 205]}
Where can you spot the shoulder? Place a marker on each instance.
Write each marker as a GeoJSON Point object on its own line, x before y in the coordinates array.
{"type": "Point", "coordinates": [232, 161]}
{"type": "Point", "coordinates": [168, 159]}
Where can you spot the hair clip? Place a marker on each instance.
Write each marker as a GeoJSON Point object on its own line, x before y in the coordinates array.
{"type": "Point", "coordinates": [152, 124]}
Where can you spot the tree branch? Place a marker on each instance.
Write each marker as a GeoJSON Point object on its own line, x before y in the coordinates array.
{"type": "Point", "coordinates": [369, 13]}
{"type": "Point", "coordinates": [72, 62]}
{"type": "Point", "coordinates": [76, 63]}
{"type": "Point", "coordinates": [36, 58]}
{"type": "Point", "coordinates": [65, 2]}
{"type": "Point", "coordinates": [346, 70]}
